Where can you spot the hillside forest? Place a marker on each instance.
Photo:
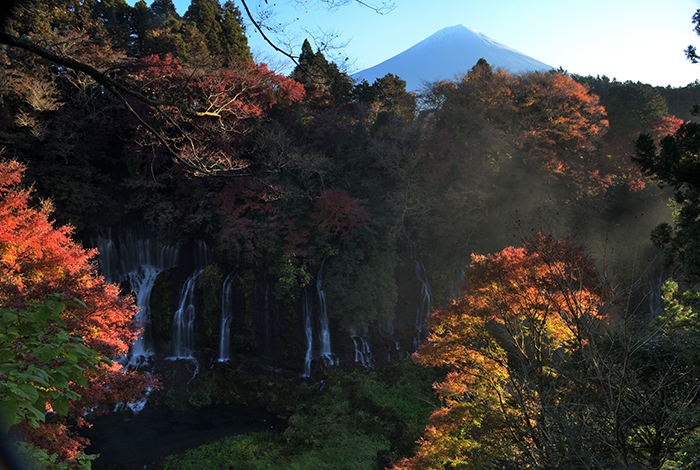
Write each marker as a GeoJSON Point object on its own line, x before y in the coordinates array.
{"type": "Point", "coordinates": [497, 271]}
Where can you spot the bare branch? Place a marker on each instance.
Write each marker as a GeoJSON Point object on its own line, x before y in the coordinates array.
{"type": "Point", "coordinates": [118, 90]}
{"type": "Point", "coordinates": [259, 27]}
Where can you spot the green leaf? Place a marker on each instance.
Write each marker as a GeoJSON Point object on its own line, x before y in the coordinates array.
{"type": "Point", "coordinates": [28, 391]}
{"type": "Point", "coordinates": [9, 317]}
{"type": "Point", "coordinates": [38, 415]}
{"type": "Point", "coordinates": [80, 380]}
{"type": "Point", "coordinates": [8, 414]}
{"type": "Point", "coordinates": [60, 405]}
{"type": "Point", "coordinates": [40, 404]}
{"type": "Point", "coordinates": [6, 356]}
{"type": "Point", "coordinates": [59, 379]}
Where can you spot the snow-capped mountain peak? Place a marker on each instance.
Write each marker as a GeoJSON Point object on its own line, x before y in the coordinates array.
{"type": "Point", "coordinates": [449, 52]}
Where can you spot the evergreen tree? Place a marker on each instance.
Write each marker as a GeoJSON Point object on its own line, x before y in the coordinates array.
{"type": "Point", "coordinates": [675, 163]}
{"type": "Point", "coordinates": [163, 8]}
{"type": "Point", "coordinates": [206, 16]}
{"type": "Point", "coordinates": [234, 41]}
{"type": "Point", "coordinates": [222, 29]}
{"type": "Point", "coordinates": [114, 16]}
{"type": "Point", "coordinates": [140, 22]}
{"type": "Point", "coordinates": [318, 75]}
{"type": "Point", "coordinates": [631, 106]}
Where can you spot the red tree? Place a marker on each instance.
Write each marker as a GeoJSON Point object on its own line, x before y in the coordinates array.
{"type": "Point", "coordinates": [199, 116]}
{"type": "Point", "coordinates": [336, 213]}
{"type": "Point", "coordinates": [520, 312]}
{"type": "Point", "coordinates": [37, 260]}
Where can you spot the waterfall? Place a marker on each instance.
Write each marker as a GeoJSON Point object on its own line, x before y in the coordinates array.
{"type": "Point", "coordinates": [324, 333]}
{"type": "Point", "coordinates": [309, 331]}
{"type": "Point", "coordinates": [135, 406]}
{"type": "Point", "coordinates": [184, 318]}
{"type": "Point", "coordinates": [226, 318]}
{"type": "Point", "coordinates": [183, 321]}
{"type": "Point", "coordinates": [203, 255]}
{"type": "Point", "coordinates": [130, 252]}
{"type": "Point", "coordinates": [136, 259]}
{"type": "Point", "coordinates": [363, 354]}
{"type": "Point", "coordinates": [457, 280]}
{"type": "Point", "coordinates": [142, 282]}
{"type": "Point", "coordinates": [316, 327]}
{"type": "Point", "coordinates": [423, 303]}
{"type": "Point", "coordinates": [656, 303]}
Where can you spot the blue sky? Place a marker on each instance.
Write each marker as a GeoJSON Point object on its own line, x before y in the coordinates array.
{"type": "Point", "coordinates": [638, 40]}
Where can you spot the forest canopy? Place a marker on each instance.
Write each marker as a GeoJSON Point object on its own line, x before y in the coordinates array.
{"type": "Point", "coordinates": [115, 115]}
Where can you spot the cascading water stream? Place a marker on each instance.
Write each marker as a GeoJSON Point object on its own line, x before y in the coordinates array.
{"type": "Point", "coordinates": [324, 333]}
{"type": "Point", "coordinates": [424, 302]}
{"type": "Point", "coordinates": [457, 280]}
{"type": "Point", "coordinates": [226, 318]}
{"type": "Point", "coordinates": [309, 331]}
{"type": "Point", "coordinates": [316, 327]}
{"type": "Point", "coordinates": [363, 354]}
{"type": "Point", "coordinates": [183, 321]}
{"type": "Point", "coordinates": [203, 255]}
{"type": "Point", "coordinates": [142, 282]}
{"type": "Point", "coordinates": [656, 303]}
{"type": "Point", "coordinates": [136, 259]}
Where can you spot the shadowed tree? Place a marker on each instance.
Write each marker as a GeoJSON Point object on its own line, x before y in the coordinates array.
{"type": "Point", "coordinates": [40, 261]}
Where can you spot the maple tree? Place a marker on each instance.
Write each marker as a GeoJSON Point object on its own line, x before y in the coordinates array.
{"type": "Point", "coordinates": [558, 121]}
{"type": "Point", "coordinates": [38, 261]}
{"type": "Point", "coordinates": [337, 214]}
{"type": "Point", "coordinates": [201, 119]}
{"type": "Point", "coordinates": [170, 98]}
{"type": "Point", "coordinates": [542, 123]}
{"type": "Point", "coordinates": [521, 311]}
{"type": "Point", "coordinates": [548, 368]}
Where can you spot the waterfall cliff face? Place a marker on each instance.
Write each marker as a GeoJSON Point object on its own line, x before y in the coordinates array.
{"type": "Point", "coordinates": [137, 259]}
{"type": "Point", "coordinates": [193, 307]}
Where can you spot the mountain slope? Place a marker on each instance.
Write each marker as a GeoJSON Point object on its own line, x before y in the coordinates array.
{"type": "Point", "coordinates": [446, 53]}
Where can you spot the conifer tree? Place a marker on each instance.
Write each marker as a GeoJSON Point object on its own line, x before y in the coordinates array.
{"type": "Point", "coordinates": [320, 76]}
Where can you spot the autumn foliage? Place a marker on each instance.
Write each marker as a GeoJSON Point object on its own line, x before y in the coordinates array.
{"type": "Point", "coordinates": [539, 122]}
{"type": "Point", "coordinates": [336, 213]}
{"type": "Point", "coordinates": [521, 311]}
{"type": "Point", "coordinates": [202, 115]}
{"type": "Point", "coordinates": [38, 260]}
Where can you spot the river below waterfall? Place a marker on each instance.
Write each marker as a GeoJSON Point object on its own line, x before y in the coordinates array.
{"type": "Point", "coordinates": [126, 441]}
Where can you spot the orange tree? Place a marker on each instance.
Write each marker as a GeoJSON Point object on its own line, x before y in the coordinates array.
{"type": "Point", "coordinates": [522, 311]}
{"type": "Point", "coordinates": [547, 369]}
{"type": "Point", "coordinates": [37, 263]}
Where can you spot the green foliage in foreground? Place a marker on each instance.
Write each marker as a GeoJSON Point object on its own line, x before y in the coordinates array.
{"type": "Point", "coordinates": [343, 424]}
{"type": "Point", "coordinates": [267, 450]}
{"type": "Point", "coordinates": [38, 361]}
{"type": "Point", "coordinates": [36, 458]}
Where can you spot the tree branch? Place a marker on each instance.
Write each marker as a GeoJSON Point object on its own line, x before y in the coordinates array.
{"type": "Point", "coordinates": [95, 74]}
{"type": "Point", "coordinates": [116, 88]}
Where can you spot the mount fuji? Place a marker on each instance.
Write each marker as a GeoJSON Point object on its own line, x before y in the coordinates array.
{"type": "Point", "coordinates": [446, 53]}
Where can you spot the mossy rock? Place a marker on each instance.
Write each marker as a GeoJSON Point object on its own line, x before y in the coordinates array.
{"type": "Point", "coordinates": [164, 298]}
